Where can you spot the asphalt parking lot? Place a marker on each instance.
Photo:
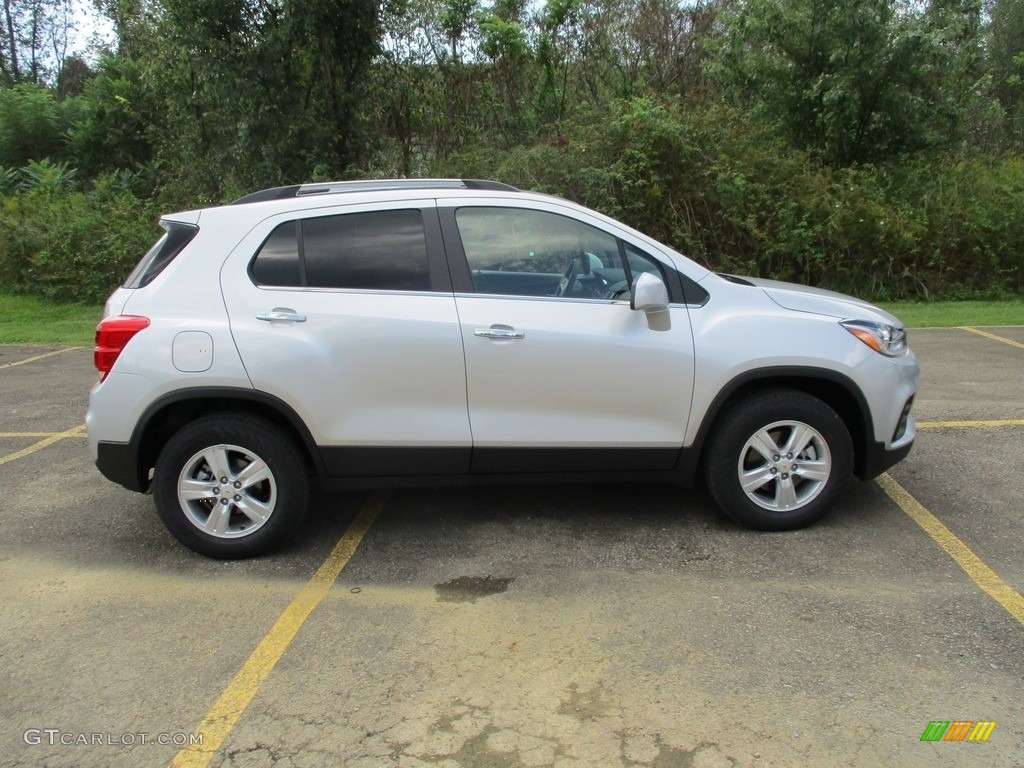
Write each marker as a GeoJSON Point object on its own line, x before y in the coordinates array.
{"type": "Point", "coordinates": [528, 626]}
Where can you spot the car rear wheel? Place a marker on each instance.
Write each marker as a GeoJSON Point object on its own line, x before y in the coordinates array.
{"type": "Point", "coordinates": [778, 460]}
{"type": "Point", "coordinates": [230, 486]}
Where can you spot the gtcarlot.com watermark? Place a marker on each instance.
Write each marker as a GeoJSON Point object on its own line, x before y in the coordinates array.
{"type": "Point", "coordinates": [52, 737]}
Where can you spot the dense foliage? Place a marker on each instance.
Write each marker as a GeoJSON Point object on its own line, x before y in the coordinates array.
{"type": "Point", "coordinates": [875, 146]}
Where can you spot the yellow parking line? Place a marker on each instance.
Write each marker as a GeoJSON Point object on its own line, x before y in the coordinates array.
{"type": "Point", "coordinates": [220, 720]}
{"type": "Point", "coordinates": [975, 423]}
{"type": "Point", "coordinates": [29, 434]}
{"type": "Point", "coordinates": [992, 336]}
{"type": "Point", "coordinates": [987, 579]}
{"type": "Point", "coordinates": [53, 438]}
{"type": "Point", "coordinates": [39, 357]}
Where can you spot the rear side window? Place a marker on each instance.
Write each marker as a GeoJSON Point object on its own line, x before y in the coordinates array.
{"type": "Point", "coordinates": [278, 261]}
{"type": "Point", "coordinates": [176, 237]}
{"type": "Point", "coordinates": [377, 250]}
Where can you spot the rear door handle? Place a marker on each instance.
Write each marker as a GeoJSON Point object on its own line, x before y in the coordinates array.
{"type": "Point", "coordinates": [281, 314]}
{"type": "Point", "coordinates": [500, 332]}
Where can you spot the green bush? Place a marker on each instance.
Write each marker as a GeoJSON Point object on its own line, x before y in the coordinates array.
{"type": "Point", "coordinates": [31, 124]}
{"type": "Point", "coordinates": [110, 129]}
{"type": "Point", "coordinates": [70, 245]}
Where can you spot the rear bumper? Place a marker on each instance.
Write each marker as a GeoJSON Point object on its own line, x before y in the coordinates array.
{"type": "Point", "coordinates": [119, 462]}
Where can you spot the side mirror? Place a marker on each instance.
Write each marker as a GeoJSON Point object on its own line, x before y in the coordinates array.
{"type": "Point", "coordinates": [650, 295]}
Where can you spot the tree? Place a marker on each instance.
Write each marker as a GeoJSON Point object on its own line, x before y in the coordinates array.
{"type": "Point", "coordinates": [1006, 65]}
{"type": "Point", "coordinates": [558, 23]}
{"type": "Point", "coordinates": [660, 44]}
{"type": "Point", "coordinates": [856, 82]}
{"type": "Point", "coordinates": [128, 18]}
{"type": "Point", "coordinates": [262, 93]}
{"type": "Point", "coordinates": [34, 39]}
{"type": "Point", "coordinates": [72, 77]}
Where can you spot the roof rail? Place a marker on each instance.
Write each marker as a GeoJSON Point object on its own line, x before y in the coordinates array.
{"type": "Point", "coordinates": [374, 185]}
{"type": "Point", "coordinates": [275, 193]}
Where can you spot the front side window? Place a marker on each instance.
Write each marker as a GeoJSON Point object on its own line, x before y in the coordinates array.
{"type": "Point", "coordinates": [521, 252]}
{"type": "Point", "coordinates": [376, 250]}
{"type": "Point", "coordinates": [640, 262]}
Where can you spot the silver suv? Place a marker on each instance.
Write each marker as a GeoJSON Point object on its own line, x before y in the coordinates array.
{"type": "Point", "coordinates": [462, 331]}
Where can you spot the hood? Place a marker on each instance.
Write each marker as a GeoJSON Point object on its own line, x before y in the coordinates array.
{"type": "Point", "coordinates": [804, 298]}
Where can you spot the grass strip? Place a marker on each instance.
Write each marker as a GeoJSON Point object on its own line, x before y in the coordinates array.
{"type": "Point", "coordinates": [32, 320]}
{"type": "Point", "coordinates": [953, 314]}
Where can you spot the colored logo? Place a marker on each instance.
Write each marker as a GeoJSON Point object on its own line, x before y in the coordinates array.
{"type": "Point", "coordinates": [958, 730]}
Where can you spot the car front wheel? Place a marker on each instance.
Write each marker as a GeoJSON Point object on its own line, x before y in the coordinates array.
{"type": "Point", "coordinates": [778, 460]}
{"type": "Point", "coordinates": [230, 486]}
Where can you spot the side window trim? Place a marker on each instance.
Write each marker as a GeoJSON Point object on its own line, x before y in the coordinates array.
{"type": "Point", "coordinates": [301, 247]}
{"type": "Point", "coordinates": [440, 270]}
{"type": "Point", "coordinates": [625, 266]}
{"type": "Point", "coordinates": [458, 264]}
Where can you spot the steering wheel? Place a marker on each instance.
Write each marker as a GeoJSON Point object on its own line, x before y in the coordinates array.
{"type": "Point", "coordinates": [571, 272]}
{"type": "Point", "coordinates": [617, 291]}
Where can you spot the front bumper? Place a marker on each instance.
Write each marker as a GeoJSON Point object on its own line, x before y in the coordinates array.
{"type": "Point", "coordinates": [877, 458]}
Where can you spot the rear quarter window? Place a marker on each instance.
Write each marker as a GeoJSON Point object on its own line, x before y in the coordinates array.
{"type": "Point", "coordinates": [174, 240]}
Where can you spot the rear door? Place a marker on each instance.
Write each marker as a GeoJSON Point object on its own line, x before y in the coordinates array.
{"type": "Point", "coordinates": [347, 315]}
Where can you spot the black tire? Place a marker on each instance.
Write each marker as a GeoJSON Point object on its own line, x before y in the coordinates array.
{"type": "Point", "coordinates": [784, 490]}
{"type": "Point", "coordinates": [263, 501]}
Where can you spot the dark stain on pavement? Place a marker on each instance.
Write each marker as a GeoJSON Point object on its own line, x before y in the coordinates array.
{"type": "Point", "coordinates": [467, 589]}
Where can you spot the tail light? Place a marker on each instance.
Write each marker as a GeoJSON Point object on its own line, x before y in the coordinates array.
{"type": "Point", "coordinates": [112, 334]}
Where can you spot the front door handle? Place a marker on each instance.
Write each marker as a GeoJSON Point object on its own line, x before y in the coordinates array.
{"type": "Point", "coordinates": [281, 314]}
{"type": "Point", "coordinates": [500, 332]}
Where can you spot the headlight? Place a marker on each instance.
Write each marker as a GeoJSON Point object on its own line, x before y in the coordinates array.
{"type": "Point", "coordinates": [881, 337]}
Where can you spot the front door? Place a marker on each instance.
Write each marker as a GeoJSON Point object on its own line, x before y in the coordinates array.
{"type": "Point", "coordinates": [562, 375]}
